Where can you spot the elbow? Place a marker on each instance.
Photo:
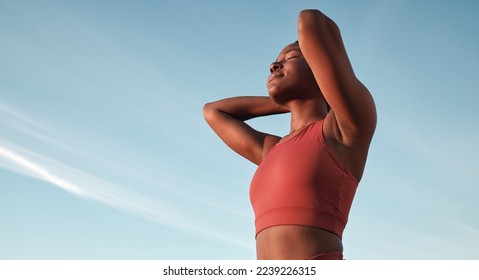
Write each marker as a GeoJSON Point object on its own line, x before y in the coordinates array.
{"type": "Point", "coordinates": [315, 21]}
{"type": "Point", "coordinates": [308, 18]}
{"type": "Point", "coordinates": [211, 112]}
{"type": "Point", "coordinates": [208, 111]}
{"type": "Point", "coordinates": [310, 14]}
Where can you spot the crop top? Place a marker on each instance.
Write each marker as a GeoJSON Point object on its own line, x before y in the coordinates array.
{"type": "Point", "coordinates": [299, 182]}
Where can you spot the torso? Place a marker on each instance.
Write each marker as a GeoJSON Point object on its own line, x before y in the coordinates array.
{"type": "Point", "coordinates": [295, 242]}
{"type": "Point", "coordinates": [298, 241]}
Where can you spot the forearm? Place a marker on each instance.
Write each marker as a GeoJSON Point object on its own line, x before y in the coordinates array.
{"type": "Point", "coordinates": [322, 47]}
{"type": "Point", "coordinates": [245, 107]}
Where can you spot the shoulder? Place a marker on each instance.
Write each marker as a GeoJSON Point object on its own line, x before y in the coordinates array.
{"type": "Point", "coordinates": [269, 142]}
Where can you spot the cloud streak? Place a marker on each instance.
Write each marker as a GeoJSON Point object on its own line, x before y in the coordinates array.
{"type": "Point", "coordinates": [41, 172]}
{"type": "Point", "coordinates": [89, 187]}
{"type": "Point", "coordinates": [163, 200]}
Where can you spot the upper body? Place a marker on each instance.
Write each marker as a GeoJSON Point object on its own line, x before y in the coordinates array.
{"type": "Point", "coordinates": [307, 78]}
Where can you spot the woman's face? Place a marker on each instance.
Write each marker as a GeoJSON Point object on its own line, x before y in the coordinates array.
{"type": "Point", "coordinates": [291, 77]}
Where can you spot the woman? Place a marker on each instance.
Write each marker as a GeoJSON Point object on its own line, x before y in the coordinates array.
{"type": "Point", "coordinates": [303, 188]}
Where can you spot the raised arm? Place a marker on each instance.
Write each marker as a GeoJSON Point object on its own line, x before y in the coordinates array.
{"type": "Point", "coordinates": [227, 118]}
{"type": "Point", "coordinates": [352, 107]}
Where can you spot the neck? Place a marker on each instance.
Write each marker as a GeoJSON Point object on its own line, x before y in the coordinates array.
{"type": "Point", "coordinates": [304, 112]}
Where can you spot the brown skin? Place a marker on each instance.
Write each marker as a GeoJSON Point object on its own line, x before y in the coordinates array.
{"type": "Point", "coordinates": [303, 78]}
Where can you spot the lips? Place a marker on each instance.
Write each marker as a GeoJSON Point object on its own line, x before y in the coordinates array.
{"type": "Point", "coordinates": [274, 75]}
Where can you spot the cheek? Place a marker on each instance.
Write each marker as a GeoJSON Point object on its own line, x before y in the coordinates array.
{"type": "Point", "coordinates": [307, 75]}
{"type": "Point", "coordinates": [303, 75]}
{"type": "Point", "coordinates": [305, 70]}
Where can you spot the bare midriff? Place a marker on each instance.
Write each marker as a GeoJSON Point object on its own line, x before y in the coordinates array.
{"type": "Point", "coordinates": [295, 242]}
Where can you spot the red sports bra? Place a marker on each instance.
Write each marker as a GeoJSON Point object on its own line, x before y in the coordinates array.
{"type": "Point", "coordinates": [299, 182]}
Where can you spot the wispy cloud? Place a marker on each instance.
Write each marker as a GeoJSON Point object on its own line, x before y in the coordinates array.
{"type": "Point", "coordinates": [89, 187]}
{"type": "Point", "coordinates": [40, 172]}
{"type": "Point", "coordinates": [173, 205]}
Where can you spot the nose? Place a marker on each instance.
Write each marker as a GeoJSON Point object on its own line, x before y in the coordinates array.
{"type": "Point", "coordinates": [275, 66]}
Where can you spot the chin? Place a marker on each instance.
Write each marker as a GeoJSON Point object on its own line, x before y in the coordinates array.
{"type": "Point", "coordinates": [279, 96]}
{"type": "Point", "coordinates": [279, 99]}
{"type": "Point", "coordinates": [273, 94]}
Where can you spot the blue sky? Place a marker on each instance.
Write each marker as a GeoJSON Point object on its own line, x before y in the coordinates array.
{"type": "Point", "coordinates": [104, 153]}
